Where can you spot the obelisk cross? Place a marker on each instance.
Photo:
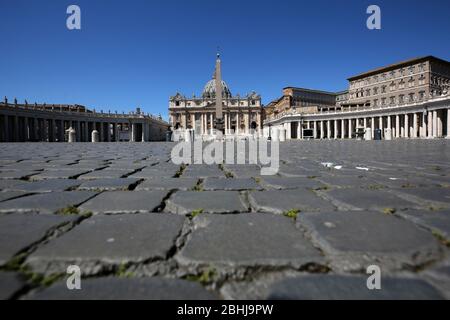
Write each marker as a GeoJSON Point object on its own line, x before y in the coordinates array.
{"type": "Point", "coordinates": [219, 123]}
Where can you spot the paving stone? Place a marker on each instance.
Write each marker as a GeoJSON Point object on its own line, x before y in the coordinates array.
{"type": "Point", "coordinates": [280, 201]}
{"type": "Point", "coordinates": [58, 174]}
{"type": "Point", "coordinates": [354, 239]}
{"type": "Point", "coordinates": [6, 195]}
{"type": "Point", "coordinates": [109, 288]}
{"type": "Point", "coordinates": [237, 184]}
{"type": "Point", "coordinates": [439, 197]}
{"type": "Point", "coordinates": [203, 171]}
{"type": "Point", "coordinates": [108, 184]}
{"type": "Point", "coordinates": [19, 231]}
{"type": "Point", "coordinates": [341, 287]}
{"type": "Point", "coordinates": [11, 185]}
{"type": "Point", "coordinates": [439, 276]}
{"type": "Point", "coordinates": [48, 185]}
{"type": "Point", "coordinates": [360, 199]}
{"type": "Point", "coordinates": [168, 184]}
{"type": "Point", "coordinates": [10, 283]}
{"type": "Point", "coordinates": [290, 183]}
{"type": "Point", "coordinates": [247, 240]}
{"type": "Point", "coordinates": [110, 239]}
{"type": "Point", "coordinates": [436, 221]}
{"type": "Point", "coordinates": [348, 181]}
{"type": "Point", "coordinates": [184, 202]}
{"type": "Point", "coordinates": [125, 202]}
{"type": "Point", "coordinates": [106, 174]}
{"type": "Point", "coordinates": [46, 202]}
{"type": "Point", "coordinates": [17, 174]}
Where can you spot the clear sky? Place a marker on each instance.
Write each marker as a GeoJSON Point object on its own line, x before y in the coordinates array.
{"type": "Point", "coordinates": [139, 52]}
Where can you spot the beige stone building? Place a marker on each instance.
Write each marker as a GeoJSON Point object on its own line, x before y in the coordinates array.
{"type": "Point", "coordinates": [409, 99]}
{"type": "Point", "coordinates": [242, 115]}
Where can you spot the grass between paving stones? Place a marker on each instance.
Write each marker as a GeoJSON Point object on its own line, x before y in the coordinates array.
{"type": "Point", "coordinates": [389, 211]}
{"type": "Point", "coordinates": [180, 171]}
{"type": "Point", "coordinates": [442, 239]}
{"type": "Point", "coordinates": [122, 271]}
{"type": "Point", "coordinates": [17, 264]}
{"type": "Point", "coordinates": [198, 186]}
{"type": "Point", "coordinates": [206, 277]}
{"type": "Point", "coordinates": [196, 212]}
{"type": "Point", "coordinates": [292, 213]}
{"type": "Point", "coordinates": [72, 210]}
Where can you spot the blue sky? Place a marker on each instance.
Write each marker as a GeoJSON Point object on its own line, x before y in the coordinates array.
{"type": "Point", "coordinates": [139, 52]}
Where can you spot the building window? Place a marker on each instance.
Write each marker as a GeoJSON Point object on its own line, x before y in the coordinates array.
{"type": "Point", "coordinates": [383, 101]}
{"type": "Point", "coordinates": [177, 103]}
{"type": "Point", "coordinates": [401, 98]}
{"type": "Point", "coordinates": [421, 95]}
{"type": "Point", "coordinates": [392, 100]}
{"type": "Point", "coordinates": [383, 89]}
{"type": "Point", "coordinates": [422, 80]}
{"type": "Point", "coordinates": [375, 90]}
{"type": "Point", "coordinates": [402, 84]}
{"type": "Point", "coordinates": [411, 70]}
{"type": "Point", "coordinates": [392, 87]}
{"type": "Point", "coordinates": [375, 102]}
{"type": "Point", "coordinates": [411, 97]}
{"type": "Point", "coordinates": [411, 82]}
{"type": "Point", "coordinates": [421, 67]}
{"type": "Point", "coordinates": [402, 72]}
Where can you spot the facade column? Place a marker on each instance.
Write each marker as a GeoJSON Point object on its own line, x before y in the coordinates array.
{"type": "Point", "coordinates": [328, 129]}
{"type": "Point", "coordinates": [211, 125]}
{"type": "Point", "coordinates": [397, 126]}
{"type": "Point", "coordinates": [430, 124]}
{"type": "Point", "coordinates": [226, 123]}
{"type": "Point", "coordinates": [439, 123]}
{"type": "Point", "coordinates": [322, 133]}
{"type": "Point", "coordinates": [108, 132]}
{"type": "Point", "coordinates": [389, 125]}
{"type": "Point", "coordinates": [335, 129]}
{"type": "Point", "coordinates": [78, 131]}
{"type": "Point", "coordinates": [299, 130]}
{"type": "Point", "coordinates": [6, 127]}
{"type": "Point", "coordinates": [350, 128]}
{"type": "Point", "coordinates": [61, 131]}
{"type": "Point", "coordinates": [237, 123]}
{"type": "Point", "coordinates": [133, 132]}
{"type": "Point", "coordinates": [16, 129]}
{"type": "Point", "coordinates": [372, 125]}
{"type": "Point", "coordinates": [342, 128]}
{"type": "Point", "coordinates": [26, 135]}
{"type": "Point", "coordinates": [448, 123]}
{"type": "Point", "coordinates": [406, 131]}
{"type": "Point", "coordinates": [36, 129]}
{"type": "Point", "coordinates": [246, 120]}
{"type": "Point", "coordinates": [143, 130]}
{"type": "Point", "coordinates": [365, 123]}
{"type": "Point", "coordinates": [414, 126]}
{"type": "Point", "coordinates": [381, 125]}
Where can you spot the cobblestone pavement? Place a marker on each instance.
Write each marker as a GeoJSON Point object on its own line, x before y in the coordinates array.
{"type": "Point", "coordinates": [141, 227]}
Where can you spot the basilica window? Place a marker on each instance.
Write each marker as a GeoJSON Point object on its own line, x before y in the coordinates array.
{"type": "Point", "coordinates": [411, 97]}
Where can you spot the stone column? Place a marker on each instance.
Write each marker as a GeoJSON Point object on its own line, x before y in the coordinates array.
{"type": "Point", "coordinates": [26, 135]}
{"type": "Point", "coordinates": [414, 126]}
{"type": "Point", "coordinates": [406, 130]}
{"type": "Point", "coordinates": [335, 129]}
{"type": "Point", "coordinates": [439, 123]}
{"type": "Point", "coordinates": [328, 129]}
{"type": "Point", "coordinates": [423, 132]}
{"type": "Point", "coordinates": [6, 127]}
{"type": "Point", "coordinates": [143, 131]}
{"type": "Point", "coordinates": [237, 123]}
{"type": "Point", "coordinates": [299, 130]}
{"type": "Point", "coordinates": [246, 120]}
{"type": "Point", "coordinates": [78, 131]}
{"type": "Point", "coordinates": [350, 128]}
{"type": "Point", "coordinates": [133, 132]}
{"type": "Point", "coordinates": [36, 129]}
{"type": "Point", "coordinates": [389, 125]}
{"type": "Point", "coordinates": [448, 123]}
{"type": "Point", "coordinates": [381, 125]}
{"type": "Point", "coordinates": [430, 124]}
{"type": "Point", "coordinates": [61, 131]}
{"type": "Point", "coordinates": [342, 128]}
{"type": "Point", "coordinates": [108, 131]}
{"type": "Point", "coordinates": [322, 133]}
{"type": "Point", "coordinates": [226, 123]}
{"type": "Point", "coordinates": [397, 126]}
{"type": "Point", "coordinates": [16, 129]}
{"type": "Point", "coordinates": [372, 125]}
{"type": "Point", "coordinates": [435, 133]}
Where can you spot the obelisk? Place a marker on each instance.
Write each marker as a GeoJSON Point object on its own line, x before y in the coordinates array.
{"type": "Point", "coordinates": [218, 123]}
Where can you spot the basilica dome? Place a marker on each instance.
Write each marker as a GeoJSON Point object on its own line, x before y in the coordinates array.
{"type": "Point", "coordinates": [210, 90]}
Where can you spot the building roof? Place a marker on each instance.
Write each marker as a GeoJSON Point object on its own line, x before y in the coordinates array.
{"type": "Point", "coordinates": [397, 65]}
{"type": "Point", "coordinates": [310, 90]}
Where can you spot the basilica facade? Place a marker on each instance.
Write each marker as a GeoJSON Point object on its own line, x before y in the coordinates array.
{"type": "Point", "coordinates": [242, 115]}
